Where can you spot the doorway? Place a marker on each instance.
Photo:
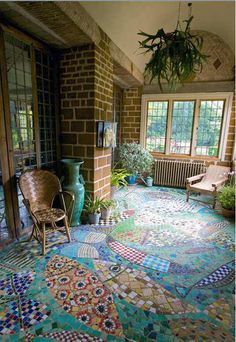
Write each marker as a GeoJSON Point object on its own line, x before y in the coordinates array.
{"type": "Point", "coordinates": [28, 124]}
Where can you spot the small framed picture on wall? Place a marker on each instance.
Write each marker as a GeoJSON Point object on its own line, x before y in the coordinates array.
{"type": "Point", "coordinates": [106, 134]}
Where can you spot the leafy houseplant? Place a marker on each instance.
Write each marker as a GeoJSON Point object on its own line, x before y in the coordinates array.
{"type": "Point", "coordinates": [107, 205]}
{"type": "Point", "coordinates": [118, 179]}
{"type": "Point", "coordinates": [176, 56]}
{"type": "Point", "coordinates": [226, 197]}
{"type": "Point", "coordinates": [93, 208]}
{"type": "Point", "coordinates": [135, 159]}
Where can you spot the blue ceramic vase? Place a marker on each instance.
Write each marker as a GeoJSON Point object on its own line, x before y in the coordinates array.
{"type": "Point", "coordinates": [73, 181]}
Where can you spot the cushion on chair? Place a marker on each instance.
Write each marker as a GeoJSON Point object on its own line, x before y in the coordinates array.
{"type": "Point", "coordinates": [206, 186]}
{"type": "Point", "coordinates": [50, 214]}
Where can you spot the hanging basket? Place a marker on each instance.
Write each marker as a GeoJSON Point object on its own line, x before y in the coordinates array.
{"type": "Point", "coordinates": [176, 56]}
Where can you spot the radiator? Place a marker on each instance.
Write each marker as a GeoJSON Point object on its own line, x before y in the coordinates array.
{"type": "Point", "coordinates": [174, 172]}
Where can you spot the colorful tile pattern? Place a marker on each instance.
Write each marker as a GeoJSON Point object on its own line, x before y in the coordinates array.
{"type": "Point", "coordinates": [81, 294]}
{"type": "Point", "coordinates": [164, 271]}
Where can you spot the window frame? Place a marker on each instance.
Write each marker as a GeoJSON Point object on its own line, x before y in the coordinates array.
{"type": "Point", "coordinates": [227, 97]}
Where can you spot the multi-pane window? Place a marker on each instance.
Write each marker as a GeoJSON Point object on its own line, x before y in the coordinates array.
{"type": "Point", "coordinates": [182, 125]}
{"type": "Point", "coordinates": [19, 73]}
{"type": "Point", "coordinates": [191, 124]}
{"type": "Point", "coordinates": [33, 128]}
{"type": "Point", "coordinates": [46, 107]}
{"type": "Point", "coordinates": [209, 128]}
{"type": "Point", "coordinates": [156, 125]}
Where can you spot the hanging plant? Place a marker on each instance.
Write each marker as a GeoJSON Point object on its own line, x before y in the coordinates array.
{"type": "Point", "coordinates": [176, 55]}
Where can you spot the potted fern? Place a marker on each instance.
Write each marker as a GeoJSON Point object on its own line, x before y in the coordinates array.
{"type": "Point", "coordinates": [107, 205]}
{"type": "Point", "coordinates": [93, 209]}
{"type": "Point", "coordinates": [176, 56]}
{"type": "Point", "coordinates": [118, 179]}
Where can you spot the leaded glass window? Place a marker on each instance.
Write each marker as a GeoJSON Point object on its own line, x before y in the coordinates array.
{"type": "Point", "coordinates": [182, 126]}
{"type": "Point", "coordinates": [46, 107]}
{"type": "Point", "coordinates": [209, 128]}
{"type": "Point", "coordinates": [156, 126]}
{"type": "Point", "coordinates": [186, 124]}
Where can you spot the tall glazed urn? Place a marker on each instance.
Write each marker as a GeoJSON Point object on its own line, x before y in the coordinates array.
{"type": "Point", "coordinates": [73, 181]}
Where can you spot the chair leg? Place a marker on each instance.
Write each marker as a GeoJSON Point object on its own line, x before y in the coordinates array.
{"type": "Point", "coordinates": [67, 228]}
{"type": "Point", "coordinates": [187, 195]}
{"type": "Point", "coordinates": [43, 239]}
{"type": "Point", "coordinates": [214, 202]}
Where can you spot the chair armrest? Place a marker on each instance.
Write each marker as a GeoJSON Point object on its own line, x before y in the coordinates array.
{"type": "Point", "coordinates": [194, 178]}
{"type": "Point", "coordinates": [219, 183]}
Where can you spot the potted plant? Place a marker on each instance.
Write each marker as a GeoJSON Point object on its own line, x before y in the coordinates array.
{"type": "Point", "coordinates": [118, 179]}
{"type": "Point", "coordinates": [176, 56]}
{"type": "Point", "coordinates": [135, 159]}
{"type": "Point", "coordinates": [226, 197]}
{"type": "Point", "coordinates": [93, 209]}
{"type": "Point", "coordinates": [107, 205]}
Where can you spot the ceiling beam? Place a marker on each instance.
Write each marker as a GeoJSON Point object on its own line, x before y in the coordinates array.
{"type": "Point", "coordinates": [81, 18]}
{"type": "Point", "coordinates": [18, 9]}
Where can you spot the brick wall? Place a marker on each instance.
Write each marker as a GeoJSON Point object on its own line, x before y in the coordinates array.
{"type": "Point", "coordinates": [86, 81]}
{"type": "Point", "coordinates": [131, 115]}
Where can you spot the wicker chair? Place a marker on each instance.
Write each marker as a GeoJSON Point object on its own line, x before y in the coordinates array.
{"type": "Point", "coordinates": [208, 183]}
{"type": "Point", "coordinates": [39, 189]}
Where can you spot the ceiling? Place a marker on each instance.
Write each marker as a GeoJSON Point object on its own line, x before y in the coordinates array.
{"type": "Point", "coordinates": [121, 20]}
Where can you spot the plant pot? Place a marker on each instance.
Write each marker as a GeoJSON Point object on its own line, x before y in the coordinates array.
{"type": "Point", "coordinates": [131, 180]}
{"type": "Point", "coordinates": [94, 218]}
{"type": "Point", "coordinates": [227, 212]}
{"type": "Point", "coordinates": [114, 188]}
{"type": "Point", "coordinates": [106, 213]}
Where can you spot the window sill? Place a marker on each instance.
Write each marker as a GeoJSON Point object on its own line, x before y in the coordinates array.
{"type": "Point", "coordinates": [184, 156]}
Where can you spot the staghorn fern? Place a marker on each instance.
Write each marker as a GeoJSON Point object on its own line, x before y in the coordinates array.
{"type": "Point", "coordinates": [175, 55]}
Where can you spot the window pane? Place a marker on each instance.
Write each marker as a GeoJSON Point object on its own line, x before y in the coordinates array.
{"type": "Point", "coordinates": [156, 126]}
{"type": "Point", "coordinates": [209, 128]}
{"type": "Point", "coordinates": [182, 124]}
{"type": "Point", "coordinates": [18, 56]}
{"type": "Point", "coordinates": [46, 104]}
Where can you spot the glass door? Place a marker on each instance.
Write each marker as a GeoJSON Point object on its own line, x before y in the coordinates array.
{"type": "Point", "coordinates": [29, 115]}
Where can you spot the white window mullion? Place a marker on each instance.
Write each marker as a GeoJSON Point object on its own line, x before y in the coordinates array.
{"type": "Point", "coordinates": [169, 127]}
{"type": "Point", "coordinates": [195, 127]}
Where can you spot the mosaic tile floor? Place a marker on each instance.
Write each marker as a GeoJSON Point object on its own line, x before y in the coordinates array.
{"type": "Point", "coordinates": [163, 272]}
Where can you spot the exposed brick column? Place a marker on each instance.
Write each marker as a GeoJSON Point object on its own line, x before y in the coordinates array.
{"type": "Point", "coordinates": [131, 115]}
{"type": "Point", "coordinates": [86, 79]}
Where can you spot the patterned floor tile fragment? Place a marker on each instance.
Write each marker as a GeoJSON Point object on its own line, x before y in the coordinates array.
{"type": "Point", "coordinates": [65, 336]}
{"type": "Point", "coordinates": [138, 289]}
{"type": "Point", "coordinates": [187, 329]}
{"type": "Point", "coordinates": [220, 311]}
{"type": "Point", "coordinates": [80, 293]}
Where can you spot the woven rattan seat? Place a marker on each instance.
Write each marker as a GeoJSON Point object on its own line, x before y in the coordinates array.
{"type": "Point", "coordinates": [50, 214]}
{"type": "Point", "coordinates": [39, 189]}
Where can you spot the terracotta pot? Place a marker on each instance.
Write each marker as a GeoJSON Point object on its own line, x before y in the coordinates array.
{"type": "Point", "coordinates": [227, 212]}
